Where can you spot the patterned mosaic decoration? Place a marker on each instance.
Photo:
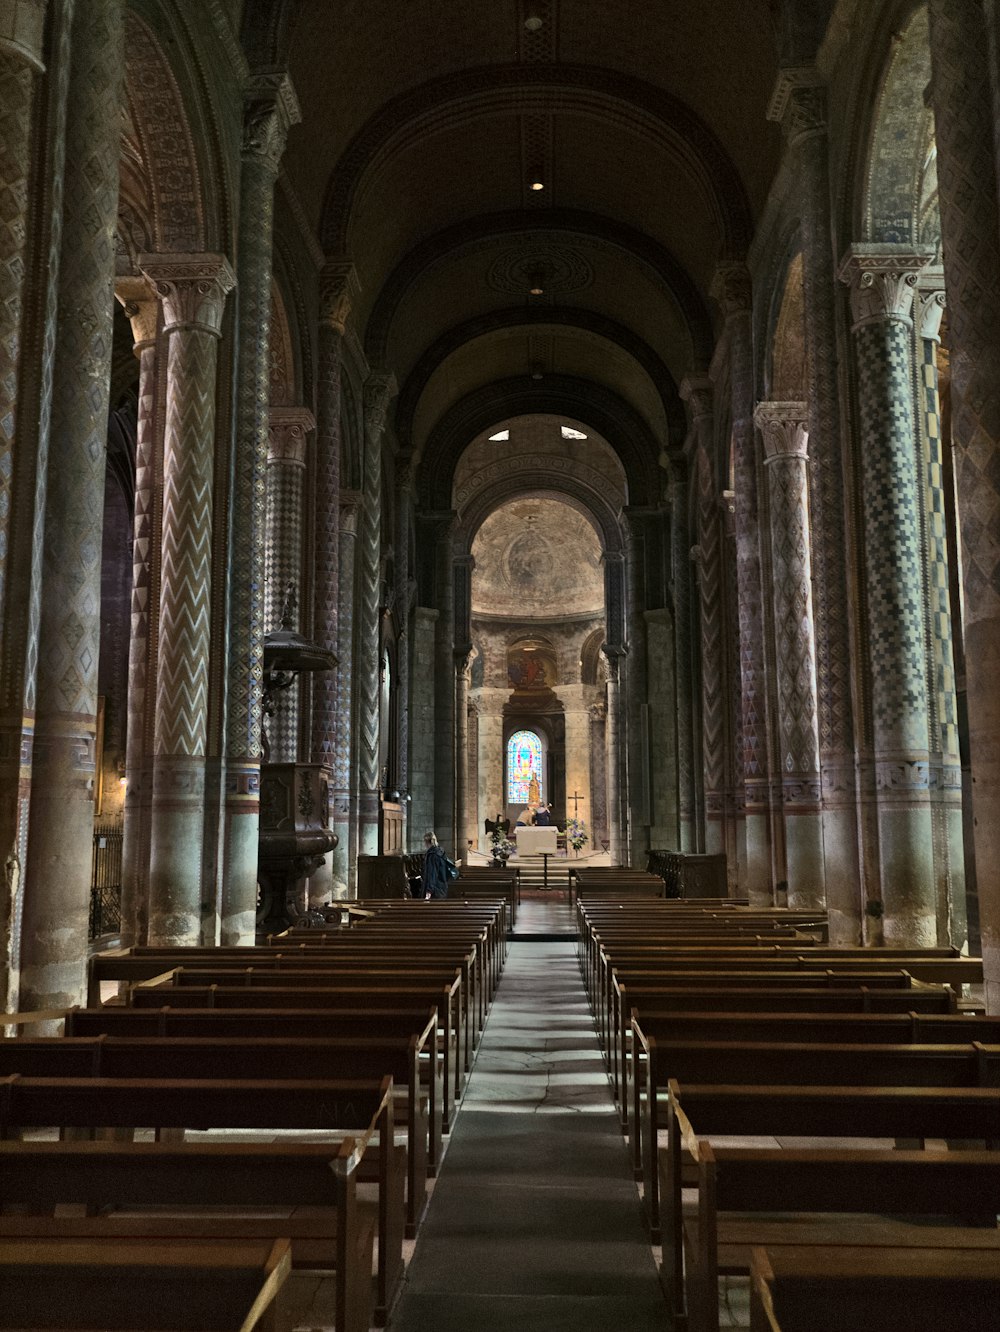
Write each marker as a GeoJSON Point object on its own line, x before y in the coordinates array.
{"type": "Point", "coordinates": [378, 389]}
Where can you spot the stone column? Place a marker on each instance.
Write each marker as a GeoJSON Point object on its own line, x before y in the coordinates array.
{"type": "Point", "coordinates": [942, 629]}
{"type": "Point", "coordinates": [22, 471]}
{"type": "Point", "coordinates": [286, 468]}
{"type": "Point", "coordinates": [882, 279]}
{"type": "Point", "coordinates": [576, 700]}
{"type": "Point", "coordinates": [343, 864]}
{"type": "Point", "coordinates": [662, 695]}
{"type": "Point", "coordinates": [613, 760]}
{"type": "Point", "coordinates": [140, 304]}
{"type": "Point", "coordinates": [492, 796]}
{"type": "Point", "coordinates": [680, 576]}
{"type": "Point", "coordinates": [378, 390]}
{"type": "Point", "coordinates": [732, 291]}
{"type": "Point", "coordinates": [338, 291]}
{"type": "Point", "coordinates": [799, 104]}
{"type": "Point", "coordinates": [60, 831]}
{"type": "Point", "coordinates": [784, 428]}
{"type": "Point", "coordinates": [638, 793]}
{"type": "Point", "coordinates": [734, 827]}
{"type": "Point", "coordinates": [401, 600]}
{"type": "Point", "coordinates": [270, 110]}
{"type": "Point", "coordinates": [598, 713]}
{"type": "Point", "coordinates": [193, 289]}
{"type": "Point", "coordinates": [970, 229]}
{"type": "Point", "coordinates": [440, 526]}
{"type": "Point", "coordinates": [423, 728]}
{"type": "Point", "coordinates": [462, 679]}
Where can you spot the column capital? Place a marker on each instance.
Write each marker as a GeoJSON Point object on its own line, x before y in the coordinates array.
{"type": "Point", "coordinates": [732, 289]}
{"type": "Point", "coordinates": [882, 279]}
{"type": "Point", "coordinates": [798, 103]}
{"type": "Point", "coordinates": [22, 31]}
{"type": "Point", "coordinates": [696, 391]}
{"type": "Point", "coordinates": [930, 302]}
{"type": "Point", "coordinates": [350, 503]}
{"type": "Point", "coordinates": [379, 389]}
{"type": "Point", "coordinates": [192, 287]}
{"type": "Point", "coordinates": [405, 471]}
{"type": "Point", "coordinates": [339, 290]}
{"type": "Point", "coordinates": [138, 299]}
{"type": "Point", "coordinates": [271, 108]}
{"type": "Point", "coordinates": [784, 427]}
{"type": "Point", "coordinates": [288, 432]}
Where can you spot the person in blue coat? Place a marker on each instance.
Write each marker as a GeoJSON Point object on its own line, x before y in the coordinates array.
{"type": "Point", "coordinates": [435, 870]}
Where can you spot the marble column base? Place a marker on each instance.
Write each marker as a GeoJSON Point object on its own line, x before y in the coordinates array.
{"type": "Point", "coordinates": [368, 821]}
{"type": "Point", "coordinates": [804, 865]}
{"type": "Point", "coordinates": [906, 847]}
{"type": "Point", "coordinates": [843, 886]}
{"type": "Point", "coordinates": [176, 887]}
{"type": "Point", "coordinates": [241, 842]}
{"type": "Point", "coordinates": [758, 870]}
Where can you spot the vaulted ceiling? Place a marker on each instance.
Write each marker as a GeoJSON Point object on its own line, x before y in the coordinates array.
{"type": "Point", "coordinates": [425, 125]}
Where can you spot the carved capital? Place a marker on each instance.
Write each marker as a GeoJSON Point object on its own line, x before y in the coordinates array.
{"type": "Point", "coordinates": [138, 299]}
{"type": "Point", "coordinates": [696, 391]}
{"type": "Point", "coordinates": [350, 507]}
{"type": "Point", "coordinates": [192, 287]}
{"type": "Point", "coordinates": [405, 472]}
{"type": "Point", "coordinates": [22, 31]}
{"type": "Point", "coordinates": [882, 279]}
{"type": "Point", "coordinates": [288, 434]}
{"type": "Point", "coordinates": [732, 288]}
{"type": "Point", "coordinates": [339, 289]}
{"type": "Point", "coordinates": [930, 303]}
{"type": "Point", "coordinates": [784, 427]}
{"type": "Point", "coordinates": [379, 389]}
{"type": "Point", "coordinates": [798, 104]}
{"type": "Point", "coordinates": [270, 110]}
{"type": "Point", "coordinates": [598, 711]}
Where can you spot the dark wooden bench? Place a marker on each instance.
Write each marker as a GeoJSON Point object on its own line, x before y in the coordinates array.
{"type": "Point", "coordinates": [961, 1187]}
{"type": "Point", "coordinates": [825, 1288]}
{"type": "Point", "coordinates": [339, 998]}
{"type": "Point", "coordinates": [144, 1284]}
{"type": "Point", "coordinates": [360, 1056]}
{"type": "Point", "coordinates": [355, 1116]}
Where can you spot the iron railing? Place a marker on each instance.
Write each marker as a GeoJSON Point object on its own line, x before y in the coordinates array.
{"type": "Point", "coordinates": [106, 879]}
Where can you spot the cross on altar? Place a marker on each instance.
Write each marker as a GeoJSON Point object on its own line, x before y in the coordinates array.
{"type": "Point", "coordinates": [576, 798]}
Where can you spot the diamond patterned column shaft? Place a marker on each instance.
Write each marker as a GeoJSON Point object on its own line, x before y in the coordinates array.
{"type": "Point", "coordinates": [680, 545]}
{"type": "Point", "coordinates": [57, 875]}
{"type": "Point", "coordinates": [964, 132]}
{"type": "Point", "coordinates": [637, 690]}
{"type": "Point", "coordinates": [882, 282]}
{"type": "Point", "coordinates": [404, 522]}
{"type": "Point", "coordinates": [343, 859]}
{"type": "Point", "coordinates": [193, 289]}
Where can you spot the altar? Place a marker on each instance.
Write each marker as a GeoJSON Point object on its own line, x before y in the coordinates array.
{"type": "Point", "coordinates": [536, 841]}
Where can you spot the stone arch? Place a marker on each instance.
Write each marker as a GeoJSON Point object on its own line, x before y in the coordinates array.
{"type": "Point", "coordinates": [176, 223]}
{"type": "Point", "coordinates": [561, 395]}
{"type": "Point", "coordinates": [786, 346]}
{"type": "Point", "coordinates": [586, 320]}
{"type": "Point", "coordinates": [581, 90]}
{"type": "Point", "coordinates": [282, 379]}
{"type": "Point", "coordinates": [452, 240]}
{"type": "Point", "coordinates": [567, 489]}
{"type": "Point", "coordinates": [590, 659]}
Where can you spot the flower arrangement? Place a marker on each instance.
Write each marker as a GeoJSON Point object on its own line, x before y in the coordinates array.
{"type": "Point", "coordinates": [502, 846]}
{"type": "Point", "coordinates": [576, 834]}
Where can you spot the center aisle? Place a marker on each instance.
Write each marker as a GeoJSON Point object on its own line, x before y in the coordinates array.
{"type": "Point", "coordinates": [534, 1221]}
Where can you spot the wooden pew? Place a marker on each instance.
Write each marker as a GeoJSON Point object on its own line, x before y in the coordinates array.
{"type": "Point", "coordinates": [229, 1058]}
{"type": "Point", "coordinates": [963, 1187]}
{"type": "Point", "coordinates": [782, 1064]}
{"type": "Point", "coordinates": [339, 998]}
{"type": "Point", "coordinates": [144, 1284]}
{"type": "Point", "coordinates": [825, 1288]}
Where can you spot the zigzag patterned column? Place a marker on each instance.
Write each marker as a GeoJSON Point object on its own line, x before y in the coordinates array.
{"type": "Point", "coordinates": [60, 833]}
{"type": "Point", "coordinates": [286, 466]}
{"type": "Point", "coordinates": [680, 575]}
{"type": "Point", "coordinates": [942, 689]}
{"type": "Point", "coordinates": [440, 526]}
{"type": "Point", "coordinates": [193, 290]}
{"type": "Point", "coordinates": [613, 756]}
{"type": "Point", "coordinates": [343, 864]}
{"type": "Point", "coordinates": [799, 104]}
{"type": "Point", "coordinates": [732, 291]}
{"type": "Point", "coordinates": [882, 279]}
{"type": "Point", "coordinates": [735, 801]}
{"type": "Point", "coordinates": [271, 109]}
{"type": "Point", "coordinates": [965, 132]}
{"type": "Point", "coordinates": [21, 49]}
{"type": "Point", "coordinates": [378, 390]}
{"type": "Point", "coordinates": [142, 308]}
{"type": "Point", "coordinates": [402, 598]}
{"type": "Point", "coordinates": [783, 426]}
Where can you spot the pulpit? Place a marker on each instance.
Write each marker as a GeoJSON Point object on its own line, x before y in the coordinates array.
{"type": "Point", "coordinates": [295, 835]}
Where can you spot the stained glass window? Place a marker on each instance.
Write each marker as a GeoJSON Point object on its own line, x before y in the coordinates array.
{"type": "Point", "coordinates": [524, 768]}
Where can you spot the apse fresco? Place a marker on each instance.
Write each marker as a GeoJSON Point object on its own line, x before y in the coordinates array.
{"type": "Point", "coordinates": [528, 668]}
{"type": "Point", "coordinates": [524, 768]}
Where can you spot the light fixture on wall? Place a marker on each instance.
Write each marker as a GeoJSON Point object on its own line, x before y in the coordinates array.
{"type": "Point", "coordinates": [537, 185]}
{"type": "Point", "coordinates": [532, 23]}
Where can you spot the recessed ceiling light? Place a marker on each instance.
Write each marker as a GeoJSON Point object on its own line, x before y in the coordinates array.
{"type": "Point", "coordinates": [533, 23]}
{"type": "Point", "coordinates": [537, 185]}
